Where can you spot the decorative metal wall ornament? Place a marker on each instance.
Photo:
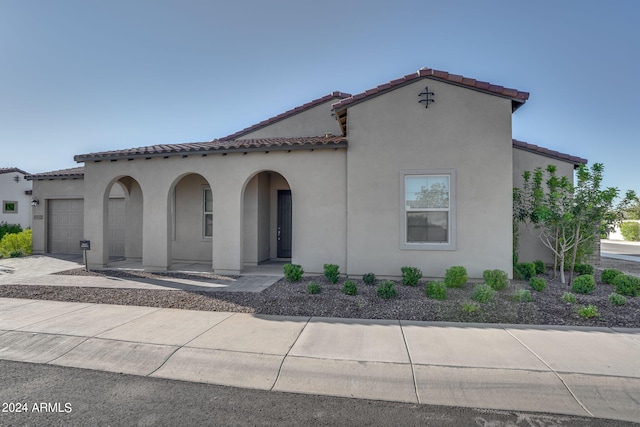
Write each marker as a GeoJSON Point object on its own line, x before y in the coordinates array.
{"type": "Point", "coordinates": [427, 98]}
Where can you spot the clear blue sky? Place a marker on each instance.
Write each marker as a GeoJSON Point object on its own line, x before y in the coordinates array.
{"type": "Point", "coordinates": [80, 76]}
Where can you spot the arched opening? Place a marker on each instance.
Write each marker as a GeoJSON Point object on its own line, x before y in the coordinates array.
{"type": "Point", "coordinates": [191, 220]}
{"type": "Point", "coordinates": [124, 219]}
{"type": "Point", "coordinates": [267, 219]}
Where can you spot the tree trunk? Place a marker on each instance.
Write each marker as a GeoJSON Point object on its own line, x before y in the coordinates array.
{"type": "Point", "coordinates": [575, 253]}
{"type": "Point", "coordinates": [562, 278]}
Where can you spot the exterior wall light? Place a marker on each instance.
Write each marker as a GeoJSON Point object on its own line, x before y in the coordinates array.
{"type": "Point", "coordinates": [35, 202]}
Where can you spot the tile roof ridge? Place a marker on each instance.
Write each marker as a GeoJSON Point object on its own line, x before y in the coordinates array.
{"type": "Point", "coordinates": [286, 114]}
{"type": "Point", "coordinates": [549, 153]}
{"type": "Point", "coordinates": [61, 173]}
{"type": "Point", "coordinates": [445, 76]}
{"type": "Point", "coordinates": [13, 169]}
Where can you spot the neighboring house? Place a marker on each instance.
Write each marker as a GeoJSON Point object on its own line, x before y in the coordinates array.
{"type": "Point", "coordinates": [15, 195]}
{"type": "Point", "coordinates": [416, 172]}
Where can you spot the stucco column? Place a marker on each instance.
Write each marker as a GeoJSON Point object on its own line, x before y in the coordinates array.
{"type": "Point", "coordinates": [96, 219]}
{"type": "Point", "coordinates": [227, 229]}
{"type": "Point", "coordinates": [155, 227]}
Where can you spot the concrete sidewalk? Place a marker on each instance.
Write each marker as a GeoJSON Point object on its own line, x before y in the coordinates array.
{"type": "Point", "coordinates": [574, 371]}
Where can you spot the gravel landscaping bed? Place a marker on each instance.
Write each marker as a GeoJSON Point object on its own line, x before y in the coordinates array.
{"type": "Point", "coordinates": [292, 299]}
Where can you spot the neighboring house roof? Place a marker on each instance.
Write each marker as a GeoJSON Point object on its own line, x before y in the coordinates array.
{"type": "Point", "coordinates": [70, 173]}
{"type": "Point", "coordinates": [517, 97]}
{"type": "Point", "coordinates": [287, 114]}
{"type": "Point", "coordinates": [219, 147]}
{"type": "Point", "coordinates": [10, 170]}
{"type": "Point", "coordinates": [549, 153]}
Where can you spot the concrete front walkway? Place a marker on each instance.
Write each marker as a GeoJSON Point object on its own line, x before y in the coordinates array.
{"type": "Point", "coordinates": [575, 371]}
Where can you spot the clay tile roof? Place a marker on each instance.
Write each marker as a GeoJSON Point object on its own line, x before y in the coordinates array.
{"type": "Point", "coordinates": [59, 174]}
{"type": "Point", "coordinates": [218, 146]}
{"type": "Point", "coordinates": [549, 153]}
{"type": "Point", "coordinates": [518, 98]}
{"type": "Point", "coordinates": [287, 114]}
{"type": "Point", "coordinates": [10, 170]}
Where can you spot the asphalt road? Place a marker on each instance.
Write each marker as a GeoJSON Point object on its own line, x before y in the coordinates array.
{"type": "Point", "coordinates": [57, 396]}
{"type": "Point", "coordinates": [620, 249]}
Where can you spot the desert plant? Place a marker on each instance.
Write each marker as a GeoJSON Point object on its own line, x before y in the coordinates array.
{"type": "Point", "coordinates": [538, 283]}
{"type": "Point", "coordinates": [455, 277]}
{"type": "Point", "coordinates": [369, 279]}
{"type": "Point", "coordinates": [583, 269]}
{"type": "Point", "coordinates": [16, 244]}
{"type": "Point", "coordinates": [541, 267]}
{"type": "Point", "coordinates": [587, 311]}
{"type": "Point", "coordinates": [609, 274]}
{"type": "Point", "coordinates": [387, 290]}
{"type": "Point", "coordinates": [627, 285]}
{"type": "Point", "coordinates": [483, 293]}
{"type": "Point", "coordinates": [292, 272]}
{"type": "Point", "coordinates": [569, 298]}
{"type": "Point", "coordinates": [349, 288]}
{"type": "Point", "coordinates": [436, 290]}
{"type": "Point", "coordinates": [630, 231]}
{"type": "Point", "coordinates": [410, 275]}
{"type": "Point", "coordinates": [522, 295]}
{"type": "Point", "coordinates": [6, 228]}
{"type": "Point", "coordinates": [313, 288]}
{"type": "Point", "coordinates": [527, 270]}
{"type": "Point", "coordinates": [617, 299]}
{"type": "Point", "coordinates": [497, 279]}
{"type": "Point", "coordinates": [470, 308]}
{"type": "Point", "coordinates": [584, 284]}
{"type": "Point", "coordinates": [332, 272]}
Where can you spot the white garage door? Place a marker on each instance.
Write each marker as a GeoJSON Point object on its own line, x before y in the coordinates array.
{"type": "Point", "coordinates": [66, 219]}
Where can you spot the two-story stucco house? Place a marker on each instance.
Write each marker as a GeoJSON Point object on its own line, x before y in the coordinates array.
{"type": "Point", "coordinates": [416, 172]}
{"type": "Point", "coordinates": [15, 195]}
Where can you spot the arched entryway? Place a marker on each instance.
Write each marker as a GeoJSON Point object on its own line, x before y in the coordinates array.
{"type": "Point", "coordinates": [267, 219]}
{"type": "Point", "coordinates": [124, 219]}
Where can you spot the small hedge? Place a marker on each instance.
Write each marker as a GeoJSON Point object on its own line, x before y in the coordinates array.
{"type": "Point", "coordinates": [525, 270]}
{"type": "Point", "coordinates": [350, 288]}
{"type": "Point", "coordinates": [292, 272]}
{"type": "Point", "coordinates": [313, 288]}
{"type": "Point", "coordinates": [332, 272]}
{"type": "Point", "coordinates": [584, 284]}
{"type": "Point", "coordinates": [410, 276]}
{"type": "Point", "coordinates": [541, 267]}
{"type": "Point", "coordinates": [483, 293]}
{"type": "Point", "coordinates": [522, 295]}
{"type": "Point", "coordinates": [617, 299]}
{"type": "Point", "coordinates": [15, 245]}
{"type": "Point", "coordinates": [583, 269]}
{"type": "Point", "coordinates": [497, 279]}
{"type": "Point", "coordinates": [455, 277]}
{"type": "Point", "coordinates": [436, 290]}
{"type": "Point", "coordinates": [627, 285]}
{"type": "Point", "coordinates": [369, 279]}
{"type": "Point", "coordinates": [538, 283]}
{"type": "Point", "coordinates": [608, 275]}
{"type": "Point", "coordinates": [387, 290]}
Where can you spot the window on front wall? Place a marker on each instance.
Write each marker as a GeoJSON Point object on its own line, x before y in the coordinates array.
{"type": "Point", "coordinates": [9, 206]}
{"type": "Point", "coordinates": [428, 220]}
{"type": "Point", "coordinates": [207, 207]}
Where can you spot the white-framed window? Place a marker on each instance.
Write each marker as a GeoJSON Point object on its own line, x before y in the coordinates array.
{"type": "Point", "coordinates": [9, 206]}
{"type": "Point", "coordinates": [428, 209]}
{"type": "Point", "coordinates": [207, 212]}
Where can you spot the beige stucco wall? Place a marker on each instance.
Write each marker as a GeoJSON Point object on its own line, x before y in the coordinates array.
{"type": "Point", "coordinates": [530, 248]}
{"type": "Point", "coordinates": [316, 121]}
{"type": "Point", "coordinates": [464, 130]}
{"type": "Point", "coordinates": [313, 176]}
{"type": "Point", "coordinates": [188, 241]}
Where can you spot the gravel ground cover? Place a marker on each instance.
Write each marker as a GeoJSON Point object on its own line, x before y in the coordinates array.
{"type": "Point", "coordinates": [292, 299]}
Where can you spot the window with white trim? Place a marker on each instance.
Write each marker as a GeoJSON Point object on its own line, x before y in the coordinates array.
{"type": "Point", "coordinates": [9, 206]}
{"type": "Point", "coordinates": [207, 208]}
{"type": "Point", "coordinates": [428, 220]}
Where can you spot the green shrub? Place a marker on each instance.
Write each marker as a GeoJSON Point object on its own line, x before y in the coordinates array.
{"type": "Point", "coordinates": [630, 231]}
{"type": "Point", "coordinates": [497, 279]}
{"type": "Point", "coordinates": [313, 288]}
{"type": "Point", "coordinates": [349, 288]}
{"type": "Point", "coordinates": [617, 299]}
{"type": "Point", "coordinates": [527, 270]}
{"type": "Point", "coordinates": [293, 272]}
{"type": "Point", "coordinates": [9, 229]}
{"type": "Point", "coordinates": [16, 244]}
{"type": "Point", "coordinates": [470, 308]}
{"type": "Point", "coordinates": [569, 298]}
{"type": "Point", "coordinates": [609, 274]}
{"type": "Point", "coordinates": [369, 279]}
{"type": "Point", "coordinates": [583, 269]}
{"type": "Point", "coordinates": [587, 312]}
{"type": "Point", "coordinates": [541, 267]}
{"type": "Point", "coordinates": [627, 285]}
{"type": "Point", "coordinates": [436, 290]}
{"type": "Point", "coordinates": [332, 272]}
{"type": "Point", "coordinates": [483, 293]}
{"type": "Point", "coordinates": [455, 277]}
{"type": "Point", "coordinates": [387, 290]}
{"type": "Point", "coordinates": [410, 276]}
{"type": "Point", "coordinates": [584, 284]}
{"type": "Point", "coordinates": [522, 295]}
{"type": "Point", "coordinates": [538, 283]}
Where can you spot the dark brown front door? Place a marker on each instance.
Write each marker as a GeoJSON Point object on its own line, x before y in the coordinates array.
{"type": "Point", "coordinates": [284, 223]}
